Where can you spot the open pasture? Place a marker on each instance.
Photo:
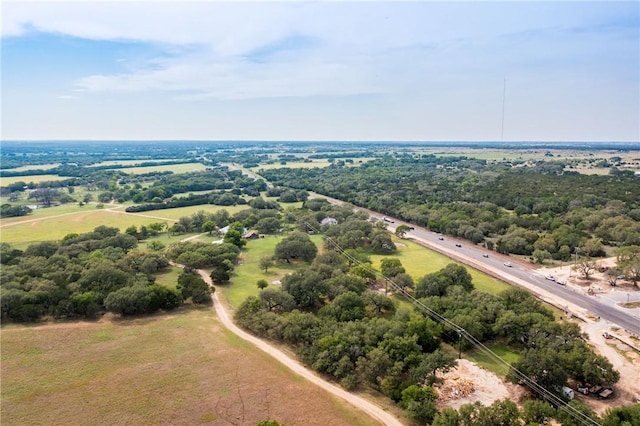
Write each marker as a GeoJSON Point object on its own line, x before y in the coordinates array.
{"type": "Point", "coordinates": [247, 274]}
{"type": "Point", "coordinates": [180, 368]}
{"type": "Point", "coordinates": [29, 231]}
{"type": "Point", "coordinates": [175, 168]}
{"type": "Point", "coordinates": [4, 181]}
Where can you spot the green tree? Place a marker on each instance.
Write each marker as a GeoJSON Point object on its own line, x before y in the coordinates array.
{"type": "Point", "coordinates": [296, 246]}
{"type": "Point", "coordinates": [419, 403]}
{"type": "Point", "coordinates": [265, 263]}
{"type": "Point", "coordinates": [209, 226]}
{"type": "Point", "coordinates": [276, 300]}
{"type": "Point", "coordinates": [537, 412]}
{"type": "Point", "coordinates": [402, 230]}
{"type": "Point", "coordinates": [262, 284]}
{"type": "Point", "coordinates": [194, 287]}
{"type": "Point", "coordinates": [391, 266]}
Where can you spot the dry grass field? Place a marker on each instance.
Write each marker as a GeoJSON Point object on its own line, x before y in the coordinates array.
{"type": "Point", "coordinates": [180, 368]}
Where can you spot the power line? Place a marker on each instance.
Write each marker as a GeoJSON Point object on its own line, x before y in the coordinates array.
{"type": "Point", "coordinates": [546, 394]}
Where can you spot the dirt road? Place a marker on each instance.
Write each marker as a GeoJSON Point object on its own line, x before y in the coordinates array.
{"type": "Point", "coordinates": [361, 403]}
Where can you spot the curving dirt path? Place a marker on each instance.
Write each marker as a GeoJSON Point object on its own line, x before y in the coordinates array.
{"type": "Point", "coordinates": [361, 403]}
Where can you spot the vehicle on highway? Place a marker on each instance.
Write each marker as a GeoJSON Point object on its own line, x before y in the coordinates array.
{"type": "Point", "coordinates": [458, 245]}
{"type": "Point", "coordinates": [441, 238]}
{"type": "Point", "coordinates": [485, 255]}
{"type": "Point", "coordinates": [508, 264]}
{"type": "Point", "coordinates": [561, 282]}
{"type": "Point", "coordinates": [386, 219]}
{"type": "Point", "coordinates": [550, 278]}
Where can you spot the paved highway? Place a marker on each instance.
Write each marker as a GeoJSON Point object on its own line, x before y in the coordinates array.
{"type": "Point", "coordinates": [519, 274]}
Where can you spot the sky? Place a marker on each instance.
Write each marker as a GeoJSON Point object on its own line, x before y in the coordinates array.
{"type": "Point", "coordinates": [322, 70]}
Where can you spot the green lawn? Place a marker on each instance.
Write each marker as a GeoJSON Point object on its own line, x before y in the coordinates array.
{"type": "Point", "coordinates": [486, 362]}
{"type": "Point", "coordinates": [245, 276]}
{"type": "Point", "coordinates": [419, 261]}
{"type": "Point", "coordinates": [169, 278]}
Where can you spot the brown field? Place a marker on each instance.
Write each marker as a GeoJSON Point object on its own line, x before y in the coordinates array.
{"type": "Point", "coordinates": [182, 368]}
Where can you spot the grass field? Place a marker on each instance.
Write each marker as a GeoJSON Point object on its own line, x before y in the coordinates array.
{"type": "Point", "coordinates": [4, 181]}
{"type": "Point", "coordinates": [181, 368]}
{"type": "Point", "coordinates": [177, 213]}
{"type": "Point", "coordinates": [20, 235]}
{"type": "Point", "coordinates": [488, 363]}
{"type": "Point", "coordinates": [175, 168]}
{"type": "Point", "coordinates": [169, 278]}
{"type": "Point", "coordinates": [245, 276]}
{"type": "Point", "coordinates": [419, 261]}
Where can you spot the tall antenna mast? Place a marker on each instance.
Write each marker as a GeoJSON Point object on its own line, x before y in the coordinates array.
{"type": "Point", "coordinates": [504, 94]}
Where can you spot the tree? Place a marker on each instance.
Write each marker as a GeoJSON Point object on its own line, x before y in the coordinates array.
{"type": "Point", "coordinates": [391, 266]}
{"type": "Point", "coordinates": [381, 243]}
{"type": "Point", "coordinates": [446, 417]}
{"type": "Point", "coordinates": [536, 411]}
{"type": "Point", "coordinates": [220, 274]}
{"type": "Point", "coordinates": [275, 300]}
{"type": "Point", "coordinates": [404, 281]}
{"type": "Point", "coordinates": [262, 284]}
{"type": "Point", "coordinates": [586, 268]}
{"type": "Point", "coordinates": [296, 246]}
{"type": "Point", "coordinates": [402, 230]}
{"type": "Point", "coordinates": [268, 225]}
{"type": "Point", "coordinates": [194, 287]}
{"type": "Point", "coordinates": [233, 236]}
{"type": "Point", "coordinates": [209, 226]}
{"type": "Point", "coordinates": [430, 364]}
{"type": "Point", "coordinates": [419, 403]}
{"type": "Point", "coordinates": [348, 306]}
{"type": "Point", "coordinates": [307, 288]}
{"type": "Point", "coordinates": [265, 263]}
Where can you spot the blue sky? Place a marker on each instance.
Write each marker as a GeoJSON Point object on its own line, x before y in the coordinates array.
{"type": "Point", "coordinates": [321, 70]}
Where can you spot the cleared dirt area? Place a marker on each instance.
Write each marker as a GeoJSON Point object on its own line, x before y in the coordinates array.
{"type": "Point", "coordinates": [180, 369]}
{"type": "Point", "coordinates": [468, 383]}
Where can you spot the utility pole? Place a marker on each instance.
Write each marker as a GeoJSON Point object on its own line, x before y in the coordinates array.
{"type": "Point", "coordinates": [459, 343]}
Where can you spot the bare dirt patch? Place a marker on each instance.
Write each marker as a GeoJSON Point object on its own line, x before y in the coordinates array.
{"type": "Point", "coordinates": [468, 383]}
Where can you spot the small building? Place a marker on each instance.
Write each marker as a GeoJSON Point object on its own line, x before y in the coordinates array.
{"type": "Point", "coordinates": [252, 236]}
